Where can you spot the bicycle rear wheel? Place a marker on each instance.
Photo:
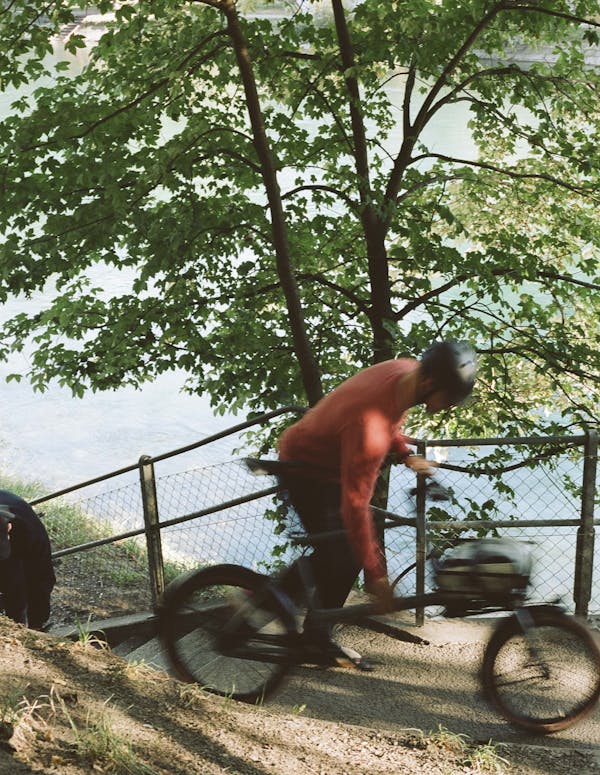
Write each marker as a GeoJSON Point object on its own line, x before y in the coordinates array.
{"type": "Point", "coordinates": [546, 678]}
{"type": "Point", "coordinates": [224, 630]}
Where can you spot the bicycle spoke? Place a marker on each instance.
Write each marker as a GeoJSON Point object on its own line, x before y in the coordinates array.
{"type": "Point", "coordinates": [224, 632]}
{"type": "Point", "coordinates": [546, 678]}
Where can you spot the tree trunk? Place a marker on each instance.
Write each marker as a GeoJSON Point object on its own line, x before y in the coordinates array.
{"type": "Point", "coordinates": [309, 369]}
{"type": "Point", "coordinates": [381, 315]}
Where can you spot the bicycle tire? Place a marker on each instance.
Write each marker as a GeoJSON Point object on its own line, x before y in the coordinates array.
{"type": "Point", "coordinates": [547, 679]}
{"type": "Point", "coordinates": [193, 616]}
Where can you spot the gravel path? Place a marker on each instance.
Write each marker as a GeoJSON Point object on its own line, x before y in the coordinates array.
{"type": "Point", "coordinates": [322, 722]}
{"type": "Point", "coordinates": [417, 685]}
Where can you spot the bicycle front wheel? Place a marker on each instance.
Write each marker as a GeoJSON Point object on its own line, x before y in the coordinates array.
{"type": "Point", "coordinates": [545, 677]}
{"type": "Point", "coordinates": [223, 630]}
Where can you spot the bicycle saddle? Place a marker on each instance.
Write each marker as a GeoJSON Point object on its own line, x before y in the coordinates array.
{"type": "Point", "coordinates": [261, 466]}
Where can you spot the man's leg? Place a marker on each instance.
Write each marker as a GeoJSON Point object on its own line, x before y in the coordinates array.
{"type": "Point", "coordinates": [333, 563]}
{"type": "Point", "coordinates": [333, 566]}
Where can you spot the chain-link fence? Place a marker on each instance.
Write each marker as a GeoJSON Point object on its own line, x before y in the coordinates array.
{"type": "Point", "coordinates": [117, 547]}
{"type": "Point", "coordinates": [102, 530]}
{"type": "Point", "coordinates": [537, 490]}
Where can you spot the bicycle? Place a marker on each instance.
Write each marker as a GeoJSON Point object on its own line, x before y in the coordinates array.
{"type": "Point", "coordinates": [237, 633]}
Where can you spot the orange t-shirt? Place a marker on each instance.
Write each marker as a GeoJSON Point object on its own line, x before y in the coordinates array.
{"type": "Point", "coordinates": [347, 435]}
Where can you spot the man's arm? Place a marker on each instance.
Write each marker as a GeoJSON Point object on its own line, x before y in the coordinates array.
{"type": "Point", "coordinates": [363, 449]}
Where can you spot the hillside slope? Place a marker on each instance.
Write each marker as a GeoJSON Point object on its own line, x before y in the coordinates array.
{"type": "Point", "coordinates": [73, 709]}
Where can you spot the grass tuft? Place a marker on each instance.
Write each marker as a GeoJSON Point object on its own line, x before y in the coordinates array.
{"type": "Point", "coordinates": [102, 749]}
{"type": "Point", "coordinates": [477, 757]}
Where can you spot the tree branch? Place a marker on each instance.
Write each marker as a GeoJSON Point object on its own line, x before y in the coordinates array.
{"type": "Point", "coordinates": [321, 187]}
{"type": "Point", "coordinates": [414, 130]}
{"type": "Point", "coordinates": [227, 152]}
{"type": "Point", "coordinates": [359, 303]}
{"type": "Point", "coordinates": [159, 84]}
{"type": "Point", "coordinates": [569, 280]}
{"type": "Point", "coordinates": [449, 97]}
{"type": "Point", "coordinates": [488, 471]}
{"type": "Point", "coordinates": [155, 87]}
{"type": "Point", "coordinates": [535, 349]}
{"type": "Point", "coordinates": [529, 7]}
{"type": "Point", "coordinates": [7, 7]}
{"type": "Point", "coordinates": [461, 278]}
{"type": "Point", "coordinates": [408, 90]}
{"type": "Point", "coordinates": [428, 181]}
{"type": "Point", "coordinates": [435, 292]}
{"type": "Point", "coordinates": [45, 11]}
{"type": "Point", "coordinates": [510, 173]}
{"type": "Point", "coordinates": [428, 107]}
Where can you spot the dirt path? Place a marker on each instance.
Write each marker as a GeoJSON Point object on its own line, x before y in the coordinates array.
{"type": "Point", "coordinates": [418, 686]}
{"type": "Point", "coordinates": [71, 709]}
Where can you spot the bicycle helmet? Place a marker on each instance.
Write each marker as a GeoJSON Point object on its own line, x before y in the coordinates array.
{"type": "Point", "coordinates": [492, 569]}
{"type": "Point", "coordinates": [452, 366]}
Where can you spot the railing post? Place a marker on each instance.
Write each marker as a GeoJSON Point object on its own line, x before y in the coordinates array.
{"type": "Point", "coordinates": [584, 559]}
{"type": "Point", "coordinates": [152, 529]}
{"type": "Point", "coordinates": [421, 538]}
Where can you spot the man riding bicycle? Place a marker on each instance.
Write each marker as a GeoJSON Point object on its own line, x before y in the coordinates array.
{"type": "Point", "coordinates": [339, 447]}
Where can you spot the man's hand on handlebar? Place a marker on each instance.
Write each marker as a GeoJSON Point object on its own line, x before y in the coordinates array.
{"type": "Point", "coordinates": [420, 465]}
{"type": "Point", "coordinates": [383, 594]}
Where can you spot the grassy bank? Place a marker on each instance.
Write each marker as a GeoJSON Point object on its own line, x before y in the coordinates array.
{"type": "Point", "coordinates": [107, 580]}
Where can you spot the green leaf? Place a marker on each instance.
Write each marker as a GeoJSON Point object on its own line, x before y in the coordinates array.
{"type": "Point", "coordinates": [145, 164]}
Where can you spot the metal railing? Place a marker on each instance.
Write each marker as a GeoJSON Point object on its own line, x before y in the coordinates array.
{"type": "Point", "coordinates": [582, 497]}
{"type": "Point", "coordinates": [216, 513]}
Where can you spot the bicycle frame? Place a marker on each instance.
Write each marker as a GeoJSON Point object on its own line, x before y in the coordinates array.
{"type": "Point", "coordinates": [218, 623]}
{"type": "Point", "coordinates": [276, 648]}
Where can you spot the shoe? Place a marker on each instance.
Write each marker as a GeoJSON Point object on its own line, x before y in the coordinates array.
{"type": "Point", "coordinates": [328, 653]}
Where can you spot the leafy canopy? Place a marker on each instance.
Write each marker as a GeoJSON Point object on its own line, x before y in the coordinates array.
{"type": "Point", "coordinates": [143, 163]}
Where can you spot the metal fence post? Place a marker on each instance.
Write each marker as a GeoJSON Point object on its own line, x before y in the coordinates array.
{"type": "Point", "coordinates": [584, 559]}
{"type": "Point", "coordinates": [152, 528]}
{"type": "Point", "coordinates": [421, 548]}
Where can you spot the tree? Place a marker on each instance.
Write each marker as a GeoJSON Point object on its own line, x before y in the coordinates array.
{"type": "Point", "coordinates": [270, 209]}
